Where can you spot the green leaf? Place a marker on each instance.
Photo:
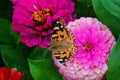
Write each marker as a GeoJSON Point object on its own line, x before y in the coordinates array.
{"type": "Point", "coordinates": [108, 12]}
{"type": "Point", "coordinates": [111, 7]}
{"type": "Point", "coordinates": [6, 9]}
{"type": "Point", "coordinates": [63, 78]}
{"type": "Point", "coordinates": [16, 35]}
{"type": "Point", "coordinates": [16, 57]}
{"type": "Point", "coordinates": [5, 36]}
{"type": "Point", "coordinates": [83, 8]}
{"type": "Point", "coordinates": [40, 53]}
{"type": "Point", "coordinates": [87, 3]}
{"type": "Point", "coordinates": [113, 72]}
{"type": "Point", "coordinates": [81, 1]}
{"type": "Point", "coordinates": [44, 70]}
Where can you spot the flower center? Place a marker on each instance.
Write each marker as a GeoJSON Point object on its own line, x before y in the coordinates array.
{"type": "Point", "coordinates": [40, 16]}
{"type": "Point", "coordinates": [88, 47]}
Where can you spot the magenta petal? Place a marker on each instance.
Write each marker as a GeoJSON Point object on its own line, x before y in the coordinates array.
{"type": "Point", "coordinates": [29, 5]}
{"type": "Point", "coordinates": [44, 33]}
{"type": "Point", "coordinates": [49, 21]}
{"type": "Point", "coordinates": [58, 15]}
{"type": "Point", "coordinates": [62, 4]}
{"type": "Point", "coordinates": [72, 5]}
{"type": "Point", "coordinates": [35, 40]}
{"type": "Point", "coordinates": [23, 20]}
{"type": "Point", "coordinates": [50, 31]}
{"type": "Point", "coordinates": [45, 42]}
{"type": "Point", "coordinates": [54, 8]}
{"type": "Point", "coordinates": [42, 3]}
{"type": "Point", "coordinates": [42, 45]}
{"type": "Point", "coordinates": [22, 11]}
{"type": "Point", "coordinates": [27, 41]}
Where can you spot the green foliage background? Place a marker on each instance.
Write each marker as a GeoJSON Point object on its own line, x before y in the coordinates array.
{"type": "Point", "coordinates": [36, 63]}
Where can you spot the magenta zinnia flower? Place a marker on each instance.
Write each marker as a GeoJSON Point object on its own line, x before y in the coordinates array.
{"type": "Point", "coordinates": [34, 19]}
{"type": "Point", "coordinates": [93, 42]}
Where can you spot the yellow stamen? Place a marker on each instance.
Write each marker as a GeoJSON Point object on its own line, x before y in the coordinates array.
{"type": "Point", "coordinates": [39, 16]}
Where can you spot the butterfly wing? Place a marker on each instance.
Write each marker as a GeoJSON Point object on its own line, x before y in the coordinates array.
{"type": "Point", "coordinates": [62, 42]}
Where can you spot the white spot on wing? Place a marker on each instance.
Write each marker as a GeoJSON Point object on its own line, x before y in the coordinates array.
{"type": "Point", "coordinates": [56, 28]}
{"type": "Point", "coordinates": [61, 26]}
{"type": "Point", "coordinates": [60, 59]}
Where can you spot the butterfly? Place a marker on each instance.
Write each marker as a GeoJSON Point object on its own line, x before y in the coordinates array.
{"type": "Point", "coordinates": [62, 44]}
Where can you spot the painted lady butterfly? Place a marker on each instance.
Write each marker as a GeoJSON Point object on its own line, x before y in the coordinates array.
{"type": "Point", "coordinates": [62, 42]}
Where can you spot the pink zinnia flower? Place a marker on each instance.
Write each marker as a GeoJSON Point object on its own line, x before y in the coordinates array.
{"type": "Point", "coordinates": [93, 42]}
{"type": "Point", "coordinates": [34, 19]}
{"type": "Point", "coordinates": [10, 74]}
